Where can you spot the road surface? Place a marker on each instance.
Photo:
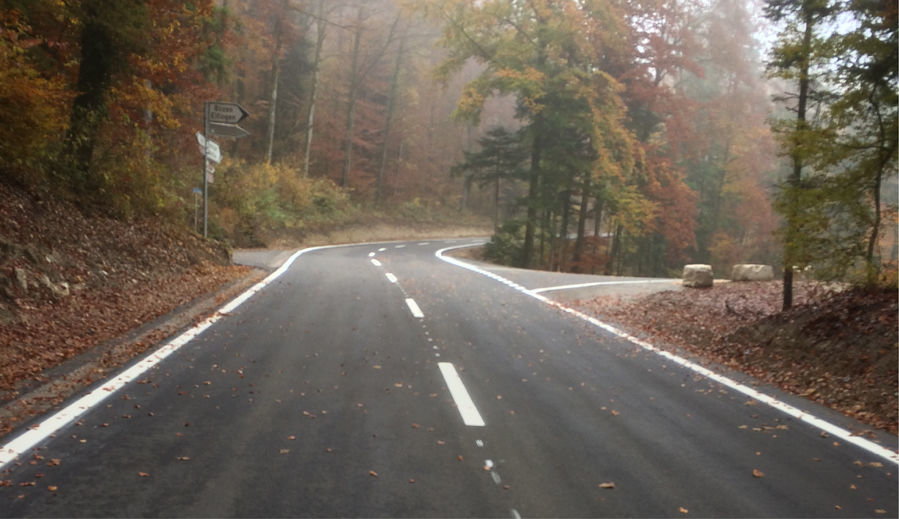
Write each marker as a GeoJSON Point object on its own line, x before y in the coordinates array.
{"type": "Point", "coordinates": [379, 380]}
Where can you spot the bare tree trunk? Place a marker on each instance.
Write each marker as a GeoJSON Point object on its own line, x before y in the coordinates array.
{"type": "Point", "coordinates": [391, 107]}
{"type": "Point", "coordinates": [273, 99]}
{"type": "Point", "coordinates": [351, 101]}
{"type": "Point", "coordinates": [313, 89]}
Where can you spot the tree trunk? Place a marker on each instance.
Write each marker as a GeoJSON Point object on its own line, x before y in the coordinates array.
{"type": "Point", "coordinates": [795, 179]}
{"type": "Point", "coordinates": [276, 78]}
{"type": "Point", "coordinates": [94, 71]}
{"type": "Point", "coordinates": [581, 225]}
{"type": "Point", "coordinates": [313, 89]}
{"type": "Point", "coordinates": [496, 214]}
{"type": "Point", "coordinates": [351, 102]}
{"type": "Point", "coordinates": [533, 193]}
{"type": "Point", "coordinates": [391, 107]}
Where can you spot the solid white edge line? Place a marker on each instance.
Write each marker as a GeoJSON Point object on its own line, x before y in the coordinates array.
{"type": "Point", "coordinates": [413, 307]}
{"type": "Point", "coordinates": [603, 283]}
{"type": "Point", "coordinates": [49, 426]}
{"type": "Point", "coordinates": [470, 415]}
{"type": "Point", "coordinates": [784, 407]}
{"type": "Point", "coordinates": [390, 277]}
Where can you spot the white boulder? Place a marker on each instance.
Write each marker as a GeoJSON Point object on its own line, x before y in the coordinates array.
{"type": "Point", "coordinates": [698, 276]}
{"type": "Point", "coordinates": [748, 272]}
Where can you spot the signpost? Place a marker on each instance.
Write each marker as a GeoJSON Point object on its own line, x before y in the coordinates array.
{"type": "Point", "coordinates": [219, 119]}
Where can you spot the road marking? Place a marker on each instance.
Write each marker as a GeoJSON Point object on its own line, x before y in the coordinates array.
{"type": "Point", "coordinates": [780, 405]}
{"type": "Point", "coordinates": [375, 262]}
{"type": "Point", "coordinates": [470, 415]}
{"type": "Point", "coordinates": [413, 307]}
{"type": "Point", "coordinates": [390, 277]}
{"type": "Point", "coordinates": [602, 283]}
{"type": "Point", "coordinates": [382, 249]}
{"type": "Point", "coordinates": [400, 247]}
{"type": "Point", "coordinates": [371, 254]}
{"type": "Point", "coordinates": [424, 243]}
{"type": "Point", "coordinates": [49, 426]}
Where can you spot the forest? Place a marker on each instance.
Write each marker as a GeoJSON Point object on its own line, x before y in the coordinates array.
{"type": "Point", "coordinates": [602, 136]}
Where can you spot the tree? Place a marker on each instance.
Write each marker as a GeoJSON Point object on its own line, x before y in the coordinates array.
{"type": "Point", "coordinates": [109, 33]}
{"type": "Point", "coordinates": [795, 56]}
{"type": "Point", "coordinates": [552, 56]}
{"type": "Point", "coordinates": [862, 121]}
{"type": "Point", "coordinates": [500, 157]}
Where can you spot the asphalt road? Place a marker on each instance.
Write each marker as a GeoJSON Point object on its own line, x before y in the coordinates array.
{"type": "Point", "coordinates": [342, 389]}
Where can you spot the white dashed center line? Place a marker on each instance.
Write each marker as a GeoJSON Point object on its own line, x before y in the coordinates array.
{"type": "Point", "coordinates": [390, 277]}
{"type": "Point", "coordinates": [413, 307]}
{"type": "Point", "coordinates": [470, 415]}
{"type": "Point", "coordinates": [375, 262]}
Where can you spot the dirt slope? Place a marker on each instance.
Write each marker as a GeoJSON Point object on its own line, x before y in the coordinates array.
{"type": "Point", "coordinates": [836, 347]}
{"type": "Point", "coordinates": [69, 282]}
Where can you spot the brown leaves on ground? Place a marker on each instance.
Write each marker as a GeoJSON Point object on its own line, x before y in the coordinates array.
{"type": "Point", "coordinates": [836, 347]}
{"type": "Point", "coordinates": [69, 282]}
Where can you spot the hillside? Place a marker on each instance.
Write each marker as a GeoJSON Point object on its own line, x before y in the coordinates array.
{"type": "Point", "coordinates": [838, 348]}
{"type": "Point", "coordinates": [71, 281]}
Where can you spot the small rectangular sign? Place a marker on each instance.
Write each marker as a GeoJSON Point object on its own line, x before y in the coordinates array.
{"type": "Point", "coordinates": [210, 148]}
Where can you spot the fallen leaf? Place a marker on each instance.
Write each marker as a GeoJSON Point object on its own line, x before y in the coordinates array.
{"type": "Point", "coordinates": [757, 473]}
{"type": "Point", "coordinates": [143, 474]}
{"type": "Point", "coordinates": [609, 485]}
{"type": "Point", "coordinates": [52, 488]}
{"type": "Point", "coordinates": [411, 481]}
{"type": "Point", "coordinates": [291, 437]}
{"type": "Point", "coordinates": [683, 510]}
{"type": "Point", "coordinates": [284, 451]}
{"type": "Point", "coordinates": [183, 458]}
{"type": "Point", "coordinates": [372, 473]}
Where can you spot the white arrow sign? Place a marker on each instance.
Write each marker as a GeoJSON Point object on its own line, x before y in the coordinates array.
{"type": "Point", "coordinates": [210, 148]}
{"type": "Point", "coordinates": [229, 113]}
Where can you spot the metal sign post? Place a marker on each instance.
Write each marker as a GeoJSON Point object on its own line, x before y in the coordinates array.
{"type": "Point", "coordinates": [221, 119]}
{"type": "Point", "coordinates": [205, 168]}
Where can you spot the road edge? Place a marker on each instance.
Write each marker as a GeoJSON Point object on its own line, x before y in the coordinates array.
{"type": "Point", "coordinates": [729, 382]}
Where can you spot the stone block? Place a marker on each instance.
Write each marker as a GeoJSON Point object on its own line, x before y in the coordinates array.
{"type": "Point", "coordinates": [749, 272]}
{"type": "Point", "coordinates": [698, 276]}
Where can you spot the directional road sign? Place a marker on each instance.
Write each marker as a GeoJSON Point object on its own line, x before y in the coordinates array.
{"type": "Point", "coordinates": [210, 148]}
{"type": "Point", "coordinates": [227, 130]}
{"type": "Point", "coordinates": [228, 113]}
